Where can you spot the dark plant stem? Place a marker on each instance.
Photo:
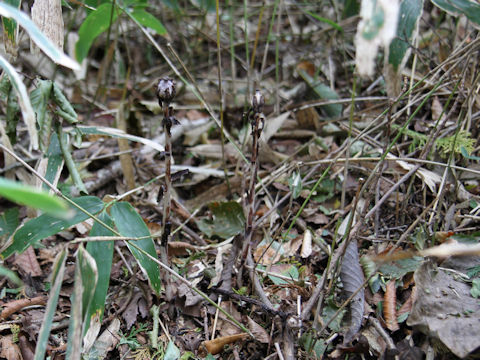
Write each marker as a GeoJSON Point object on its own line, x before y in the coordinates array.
{"type": "Point", "coordinates": [257, 124]}
{"type": "Point", "coordinates": [165, 93]}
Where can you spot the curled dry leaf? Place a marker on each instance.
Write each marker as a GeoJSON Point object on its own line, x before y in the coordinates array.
{"type": "Point", "coordinates": [215, 346]}
{"type": "Point", "coordinates": [258, 332]}
{"type": "Point", "coordinates": [352, 278]}
{"type": "Point", "coordinates": [389, 306]}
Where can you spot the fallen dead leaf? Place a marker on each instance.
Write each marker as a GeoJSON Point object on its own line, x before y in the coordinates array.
{"type": "Point", "coordinates": [258, 332]}
{"type": "Point", "coordinates": [27, 263]}
{"type": "Point", "coordinates": [8, 349]}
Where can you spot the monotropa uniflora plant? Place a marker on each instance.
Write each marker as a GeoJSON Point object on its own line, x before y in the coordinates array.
{"type": "Point", "coordinates": [166, 90]}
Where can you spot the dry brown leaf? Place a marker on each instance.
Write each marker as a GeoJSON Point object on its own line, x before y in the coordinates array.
{"type": "Point", "coordinates": [215, 346]}
{"type": "Point", "coordinates": [9, 350]}
{"type": "Point", "coordinates": [258, 332]}
{"type": "Point", "coordinates": [407, 305]}
{"type": "Point", "coordinates": [224, 325]}
{"type": "Point", "coordinates": [389, 306]}
{"type": "Point", "coordinates": [437, 109]}
{"type": "Point", "coordinates": [27, 262]}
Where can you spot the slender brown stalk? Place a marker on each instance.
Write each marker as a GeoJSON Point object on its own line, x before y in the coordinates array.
{"type": "Point", "coordinates": [166, 92]}
{"type": "Point", "coordinates": [257, 123]}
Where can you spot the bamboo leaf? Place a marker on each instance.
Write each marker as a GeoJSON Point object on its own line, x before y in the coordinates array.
{"type": "Point", "coordinates": [47, 225]}
{"type": "Point", "coordinates": [96, 23]}
{"type": "Point", "coordinates": [33, 197]}
{"type": "Point", "coordinates": [129, 223]}
{"type": "Point", "coordinates": [149, 21]}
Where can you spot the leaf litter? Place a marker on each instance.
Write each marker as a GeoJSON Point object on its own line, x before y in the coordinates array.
{"type": "Point", "coordinates": [412, 306]}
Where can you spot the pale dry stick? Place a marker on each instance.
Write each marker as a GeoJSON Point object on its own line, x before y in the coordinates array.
{"type": "Point", "coordinates": [279, 351]}
{"type": "Point", "coordinates": [214, 327]}
{"type": "Point", "coordinates": [314, 103]}
{"type": "Point", "coordinates": [413, 160]}
{"type": "Point", "coordinates": [376, 324]}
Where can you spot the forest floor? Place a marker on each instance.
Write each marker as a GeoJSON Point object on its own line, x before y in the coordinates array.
{"type": "Point", "coordinates": [344, 242]}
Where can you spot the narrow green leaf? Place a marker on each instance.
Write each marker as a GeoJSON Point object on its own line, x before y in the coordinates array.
{"type": "Point", "coordinates": [410, 12]}
{"type": "Point", "coordinates": [325, 20]}
{"type": "Point", "coordinates": [57, 278]}
{"type": "Point", "coordinates": [8, 222]}
{"type": "Point", "coordinates": [227, 220]}
{"type": "Point", "coordinates": [55, 160]}
{"type": "Point", "coordinates": [85, 281]}
{"type": "Point", "coordinates": [149, 21]}
{"type": "Point", "coordinates": [96, 23]}
{"type": "Point", "coordinates": [323, 92]}
{"type": "Point", "coordinates": [11, 275]}
{"type": "Point", "coordinates": [102, 253]}
{"type": "Point", "coordinates": [37, 36]}
{"type": "Point", "coordinates": [23, 99]}
{"type": "Point", "coordinates": [47, 225]}
{"type": "Point", "coordinates": [64, 105]}
{"type": "Point", "coordinates": [39, 99]}
{"type": "Point", "coordinates": [33, 197]}
{"type": "Point", "coordinates": [471, 9]}
{"type": "Point", "coordinates": [129, 223]}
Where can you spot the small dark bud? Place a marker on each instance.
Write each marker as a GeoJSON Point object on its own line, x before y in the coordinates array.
{"type": "Point", "coordinates": [166, 90]}
{"type": "Point", "coordinates": [257, 102]}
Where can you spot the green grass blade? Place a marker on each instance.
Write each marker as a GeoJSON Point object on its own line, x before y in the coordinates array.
{"type": "Point", "coordinates": [47, 225]}
{"type": "Point", "coordinates": [326, 21]}
{"type": "Point", "coordinates": [33, 197]}
{"type": "Point", "coordinates": [129, 223]}
{"type": "Point", "coordinates": [57, 278]}
{"type": "Point", "coordinates": [11, 275]}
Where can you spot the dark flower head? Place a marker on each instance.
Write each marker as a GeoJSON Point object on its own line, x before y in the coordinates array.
{"type": "Point", "coordinates": [258, 101]}
{"type": "Point", "coordinates": [166, 90]}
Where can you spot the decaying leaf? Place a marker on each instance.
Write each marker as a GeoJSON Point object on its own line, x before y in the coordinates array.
{"type": "Point", "coordinates": [445, 310]}
{"type": "Point", "coordinates": [258, 332]}
{"type": "Point", "coordinates": [215, 346]}
{"type": "Point", "coordinates": [352, 279]}
{"type": "Point", "coordinates": [389, 306]}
